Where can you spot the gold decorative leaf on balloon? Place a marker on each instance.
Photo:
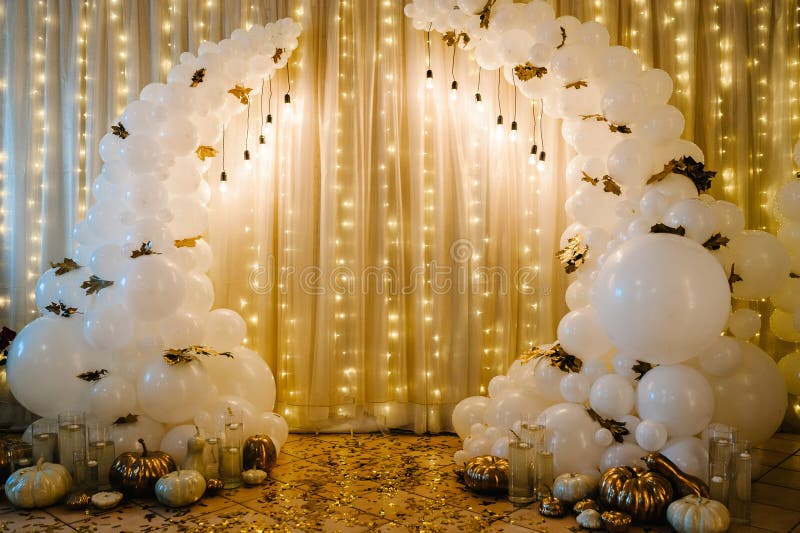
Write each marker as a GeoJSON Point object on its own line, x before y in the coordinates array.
{"type": "Point", "coordinates": [619, 128]}
{"type": "Point", "coordinates": [205, 151]}
{"type": "Point", "coordinates": [485, 14]}
{"type": "Point", "coordinates": [576, 84]}
{"type": "Point", "coordinates": [93, 376]}
{"type": "Point", "coordinates": [791, 275]}
{"type": "Point", "coordinates": [596, 116]}
{"type": "Point", "coordinates": [573, 254]}
{"type": "Point", "coordinates": [687, 166]}
{"type": "Point", "coordinates": [189, 242]}
{"type": "Point", "coordinates": [241, 92]}
{"type": "Point", "coordinates": [174, 356]}
{"type": "Point", "coordinates": [733, 277]}
{"type": "Point", "coordinates": [60, 309]}
{"type": "Point", "coordinates": [67, 265]}
{"type": "Point", "coordinates": [716, 241]}
{"type": "Point", "coordinates": [95, 284]}
{"type": "Point", "coordinates": [127, 419]}
{"type": "Point", "coordinates": [588, 179]}
{"type": "Point", "coordinates": [528, 71]}
{"type": "Point", "coordinates": [641, 368]}
{"type": "Point", "coordinates": [276, 57]}
{"type": "Point", "coordinates": [563, 37]}
{"type": "Point", "coordinates": [197, 77]}
{"type": "Point", "coordinates": [451, 38]}
{"type": "Point", "coordinates": [663, 228]}
{"type": "Point", "coordinates": [145, 249]}
{"type": "Point", "coordinates": [609, 185]}
{"type": "Point", "coordinates": [617, 429]}
{"type": "Point", "coordinates": [615, 128]}
{"type": "Point", "coordinates": [119, 130]}
{"type": "Point", "coordinates": [555, 355]}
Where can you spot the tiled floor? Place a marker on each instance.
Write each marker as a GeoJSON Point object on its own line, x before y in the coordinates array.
{"type": "Point", "coordinates": [385, 483]}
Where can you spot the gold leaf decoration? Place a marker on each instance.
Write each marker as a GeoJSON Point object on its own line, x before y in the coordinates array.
{"type": "Point", "coordinates": [276, 57]}
{"type": "Point", "coordinates": [451, 38]}
{"type": "Point", "coordinates": [716, 241]}
{"type": "Point", "coordinates": [174, 356]}
{"type": "Point", "coordinates": [205, 151]}
{"type": "Point", "coordinates": [619, 128]}
{"type": "Point", "coordinates": [67, 265]}
{"type": "Point", "coordinates": [617, 429]}
{"type": "Point", "coordinates": [563, 38]}
{"type": "Point", "coordinates": [663, 228]}
{"type": "Point", "coordinates": [555, 355]}
{"type": "Point", "coordinates": [95, 284]}
{"type": "Point", "coordinates": [573, 254]}
{"type": "Point", "coordinates": [119, 130]}
{"type": "Point", "coordinates": [486, 14]}
{"type": "Point", "coordinates": [641, 368]}
{"type": "Point", "coordinates": [60, 309]}
{"type": "Point", "coordinates": [241, 92]}
{"type": "Point", "coordinates": [733, 277]}
{"type": "Point", "coordinates": [609, 185]}
{"type": "Point", "coordinates": [197, 77]}
{"type": "Point", "coordinates": [791, 275]}
{"type": "Point", "coordinates": [576, 84]}
{"type": "Point", "coordinates": [615, 128]}
{"type": "Point", "coordinates": [596, 116]}
{"type": "Point", "coordinates": [590, 180]}
{"type": "Point", "coordinates": [145, 249]}
{"type": "Point", "coordinates": [687, 166]}
{"type": "Point", "coordinates": [528, 71]}
{"type": "Point", "coordinates": [93, 375]}
{"type": "Point", "coordinates": [189, 242]}
{"type": "Point", "coordinates": [128, 419]}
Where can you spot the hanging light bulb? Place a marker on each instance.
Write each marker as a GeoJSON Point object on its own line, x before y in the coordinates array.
{"type": "Point", "coordinates": [266, 129]}
{"type": "Point", "coordinates": [248, 163]}
{"type": "Point", "coordinates": [478, 103]}
{"type": "Point", "coordinates": [540, 166]}
{"type": "Point", "coordinates": [512, 135]}
{"type": "Point", "coordinates": [499, 127]}
{"type": "Point", "coordinates": [429, 79]}
{"type": "Point", "coordinates": [454, 90]}
{"type": "Point", "coordinates": [223, 181]}
{"type": "Point", "coordinates": [532, 156]}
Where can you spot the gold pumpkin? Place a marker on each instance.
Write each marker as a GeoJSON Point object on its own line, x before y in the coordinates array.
{"type": "Point", "coordinates": [136, 475]}
{"type": "Point", "coordinates": [685, 484]}
{"type": "Point", "coordinates": [644, 495]}
{"type": "Point", "coordinates": [486, 473]}
{"type": "Point", "coordinates": [615, 521]}
{"type": "Point", "coordinates": [552, 507]}
{"type": "Point", "coordinates": [259, 453]}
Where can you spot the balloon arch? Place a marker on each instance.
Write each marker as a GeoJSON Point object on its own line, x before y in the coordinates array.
{"type": "Point", "coordinates": [656, 260]}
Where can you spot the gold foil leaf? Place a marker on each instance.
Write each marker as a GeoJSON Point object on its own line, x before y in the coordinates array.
{"type": "Point", "coordinates": [528, 71]}
{"type": "Point", "coordinates": [641, 368]}
{"type": "Point", "coordinates": [660, 227]}
{"type": "Point", "coordinates": [67, 265]}
{"type": "Point", "coordinates": [276, 57]}
{"type": "Point", "coordinates": [451, 38]}
{"type": "Point", "coordinates": [716, 241]}
{"type": "Point", "coordinates": [609, 185]}
{"type": "Point", "coordinates": [617, 429]}
{"type": "Point", "coordinates": [687, 166]}
{"type": "Point", "coordinates": [119, 130]}
{"type": "Point", "coordinates": [733, 277]}
{"type": "Point", "coordinates": [619, 128]}
{"type": "Point", "coordinates": [189, 242]}
{"type": "Point", "coordinates": [145, 249]}
{"type": "Point", "coordinates": [241, 92]}
{"type": "Point", "coordinates": [563, 37]}
{"type": "Point", "coordinates": [486, 14]}
{"type": "Point", "coordinates": [95, 284]}
{"type": "Point", "coordinates": [555, 355]}
{"type": "Point", "coordinates": [127, 419]}
{"type": "Point", "coordinates": [197, 77]}
{"type": "Point", "coordinates": [590, 180]}
{"type": "Point", "coordinates": [576, 84]}
{"type": "Point", "coordinates": [60, 309]}
{"type": "Point", "coordinates": [205, 151]}
{"type": "Point", "coordinates": [573, 254]}
{"type": "Point", "coordinates": [596, 116]}
{"type": "Point", "coordinates": [93, 375]}
{"type": "Point", "coordinates": [174, 356]}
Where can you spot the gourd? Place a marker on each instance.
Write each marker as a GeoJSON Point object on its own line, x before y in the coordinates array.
{"type": "Point", "coordinates": [136, 474]}
{"type": "Point", "coordinates": [644, 495]}
{"type": "Point", "coordinates": [589, 519]}
{"type": "Point", "coordinates": [38, 486]}
{"type": "Point", "coordinates": [552, 507]}
{"type": "Point", "coordinates": [106, 499]}
{"type": "Point", "coordinates": [685, 484]}
{"type": "Point", "coordinates": [486, 473]}
{"type": "Point", "coordinates": [259, 452]}
{"type": "Point", "coordinates": [570, 488]}
{"type": "Point", "coordinates": [254, 476]}
{"type": "Point", "coordinates": [180, 488]}
{"type": "Point", "coordinates": [695, 514]}
{"type": "Point", "coordinates": [194, 453]}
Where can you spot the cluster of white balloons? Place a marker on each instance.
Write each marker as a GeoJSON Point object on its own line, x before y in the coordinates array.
{"type": "Point", "coordinates": [639, 296]}
{"type": "Point", "coordinates": [152, 190]}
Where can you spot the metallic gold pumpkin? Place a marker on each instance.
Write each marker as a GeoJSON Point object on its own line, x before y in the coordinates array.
{"type": "Point", "coordinates": [136, 475]}
{"type": "Point", "coordinates": [685, 484]}
{"type": "Point", "coordinates": [644, 495]}
{"type": "Point", "coordinates": [78, 501]}
{"type": "Point", "coordinates": [259, 453]}
{"type": "Point", "coordinates": [552, 507]}
{"type": "Point", "coordinates": [616, 521]}
{"type": "Point", "coordinates": [585, 505]}
{"type": "Point", "coordinates": [214, 485]}
{"type": "Point", "coordinates": [486, 473]}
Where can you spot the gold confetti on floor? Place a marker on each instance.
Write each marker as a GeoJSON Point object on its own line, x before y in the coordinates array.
{"type": "Point", "coordinates": [371, 482]}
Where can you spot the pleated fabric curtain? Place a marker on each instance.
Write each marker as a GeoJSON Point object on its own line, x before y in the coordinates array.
{"type": "Point", "coordinates": [395, 252]}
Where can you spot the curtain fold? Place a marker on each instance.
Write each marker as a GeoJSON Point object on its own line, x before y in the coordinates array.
{"type": "Point", "coordinates": [392, 252]}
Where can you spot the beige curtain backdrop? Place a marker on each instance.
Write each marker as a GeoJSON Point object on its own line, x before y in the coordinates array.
{"type": "Point", "coordinates": [401, 253]}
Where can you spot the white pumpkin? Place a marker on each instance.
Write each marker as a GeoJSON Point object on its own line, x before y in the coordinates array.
{"type": "Point", "coordinates": [106, 499]}
{"type": "Point", "coordinates": [180, 488]}
{"type": "Point", "coordinates": [694, 514]}
{"type": "Point", "coordinates": [37, 486]}
{"type": "Point", "coordinates": [571, 488]}
{"type": "Point", "coordinates": [254, 476]}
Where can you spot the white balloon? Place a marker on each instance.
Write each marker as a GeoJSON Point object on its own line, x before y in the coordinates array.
{"type": "Point", "coordinates": [623, 101]}
{"type": "Point", "coordinates": [729, 218]}
{"type": "Point", "coordinates": [624, 454]}
{"type": "Point", "coordinates": [696, 217]}
{"type": "Point", "coordinates": [657, 85]}
{"type": "Point", "coordinates": [276, 427]}
{"type": "Point", "coordinates": [690, 455]}
{"type": "Point", "coordinates": [570, 432]}
{"type": "Point", "coordinates": [175, 441]}
{"type": "Point", "coordinates": [629, 162]}
{"type": "Point", "coordinates": [677, 396]}
{"type": "Point", "coordinates": [245, 375]}
{"type": "Point", "coordinates": [467, 412]}
{"type": "Point", "coordinates": [152, 287]}
{"type": "Point", "coordinates": [651, 435]}
{"type": "Point", "coordinates": [612, 396]}
{"type": "Point", "coordinates": [224, 330]}
{"type": "Point", "coordinates": [108, 262]}
{"type": "Point", "coordinates": [108, 327]}
{"type": "Point", "coordinates": [744, 323]}
{"type": "Point", "coordinates": [787, 200]}
{"type": "Point", "coordinates": [126, 436]}
{"type": "Point", "coordinates": [762, 263]}
{"type": "Point", "coordinates": [721, 358]}
{"type": "Point", "coordinates": [173, 393]}
{"type": "Point", "coordinates": [580, 334]}
{"type": "Point", "coordinates": [660, 123]}
{"type": "Point", "coordinates": [575, 387]}
{"type": "Point", "coordinates": [111, 397]}
{"type": "Point", "coordinates": [514, 406]}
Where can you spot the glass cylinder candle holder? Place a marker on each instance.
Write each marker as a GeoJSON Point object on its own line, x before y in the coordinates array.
{"type": "Point", "coordinates": [231, 452]}
{"type": "Point", "coordinates": [80, 469]}
{"type": "Point", "coordinates": [71, 438]}
{"type": "Point", "coordinates": [20, 455]}
{"type": "Point", "coordinates": [101, 450]}
{"type": "Point", "coordinates": [739, 496]}
{"type": "Point", "coordinates": [544, 462]}
{"type": "Point", "coordinates": [521, 458]}
{"type": "Point", "coordinates": [211, 454]}
{"type": "Point", "coordinates": [720, 460]}
{"type": "Point", "coordinates": [44, 436]}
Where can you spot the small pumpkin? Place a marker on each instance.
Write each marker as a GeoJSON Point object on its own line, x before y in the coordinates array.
{"type": "Point", "coordinates": [254, 476]}
{"type": "Point", "coordinates": [214, 485]}
{"type": "Point", "coordinates": [259, 452]}
{"type": "Point", "coordinates": [487, 474]}
{"type": "Point", "coordinates": [37, 486]}
{"type": "Point", "coordinates": [180, 488]}
{"type": "Point", "coordinates": [695, 514]}
{"type": "Point", "coordinates": [590, 519]}
{"type": "Point", "coordinates": [616, 521]}
{"type": "Point", "coordinates": [78, 501]}
{"type": "Point", "coordinates": [195, 447]}
{"type": "Point", "coordinates": [136, 474]}
{"type": "Point", "coordinates": [585, 505]}
{"type": "Point", "coordinates": [552, 507]}
{"type": "Point", "coordinates": [569, 488]}
{"type": "Point", "coordinates": [685, 484]}
{"type": "Point", "coordinates": [107, 499]}
{"type": "Point", "coordinates": [642, 494]}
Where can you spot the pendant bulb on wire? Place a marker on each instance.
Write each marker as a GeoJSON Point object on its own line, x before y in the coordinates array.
{"type": "Point", "coordinates": [429, 72]}
{"type": "Point", "coordinates": [248, 164]}
{"type": "Point", "coordinates": [478, 97]}
{"type": "Point", "coordinates": [499, 106]}
{"type": "Point", "coordinates": [223, 176]}
{"type": "Point", "coordinates": [454, 84]}
{"type": "Point", "coordinates": [287, 98]}
{"type": "Point", "coordinates": [535, 148]}
{"type": "Point", "coordinates": [540, 166]}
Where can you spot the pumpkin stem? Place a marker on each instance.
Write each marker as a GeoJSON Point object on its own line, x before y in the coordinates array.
{"type": "Point", "coordinates": [39, 463]}
{"type": "Point", "coordinates": [144, 448]}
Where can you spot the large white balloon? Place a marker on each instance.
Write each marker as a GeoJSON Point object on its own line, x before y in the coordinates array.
{"type": "Point", "coordinates": [761, 261]}
{"type": "Point", "coordinates": [580, 334]}
{"type": "Point", "coordinates": [246, 375]}
{"type": "Point", "coordinates": [677, 396]}
{"type": "Point", "coordinates": [127, 435]}
{"type": "Point", "coordinates": [152, 287]}
{"type": "Point", "coordinates": [175, 442]}
{"type": "Point", "coordinates": [662, 296]}
{"type": "Point", "coordinates": [173, 393]}
{"type": "Point", "coordinates": [467, 412]}
{"type": "Point", "coordinates": [570, 432]}
{"type": "Point", "coordinates": [112, 397]}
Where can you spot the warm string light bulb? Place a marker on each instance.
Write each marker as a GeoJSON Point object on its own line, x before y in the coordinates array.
{"type": "Point", "coordinates": [499, 127]}
{"type": "Point", "coordinates": [248, 163]}
{"type": "Point", "coordinates": [532, 156]}
{"type": "Point", "coordinates": [223, 176]}
{"type": "Point", "coordinates": [540, 166]}
{"type": "Point", "coordinates": [453, 91]}
{"type": "Point", "coordinates": [478, 103]}
{"type": "Point", "coordinates": [267, 127]}
{"type": "Point", "coordinates": [512, 135]}
{"type": "Point", "coordinates": [429, 79]}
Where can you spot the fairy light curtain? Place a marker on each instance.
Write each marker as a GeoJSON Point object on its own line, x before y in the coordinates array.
{"type": "Point", "coordinates": [390, 251]}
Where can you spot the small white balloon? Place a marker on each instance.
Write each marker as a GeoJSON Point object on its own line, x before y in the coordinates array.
{"type": "Point", "coordinates": [651, 435]}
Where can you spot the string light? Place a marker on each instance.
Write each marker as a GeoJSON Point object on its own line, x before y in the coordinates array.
{"type": "Point", "coordinates": [429, 72]}
{"type": "Point", "coordinates": [540, 166]}
{"type": "Point", "coordinates": [248, 164]}
{"type": "Point", "coordinates": [478, 97]}
{"type": "Point", "coordinates": [499, 106]}
{"type": "Point", "coordinates": [512, 135]}
{"type": "Point", "coordinates": [223, 176]}
{"type": "Point", "coordinates": [287, 98]}
{"type": "Point", "coordinates": [454, 84]}
{"type": "Point", "coordinates": [534, 148]}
